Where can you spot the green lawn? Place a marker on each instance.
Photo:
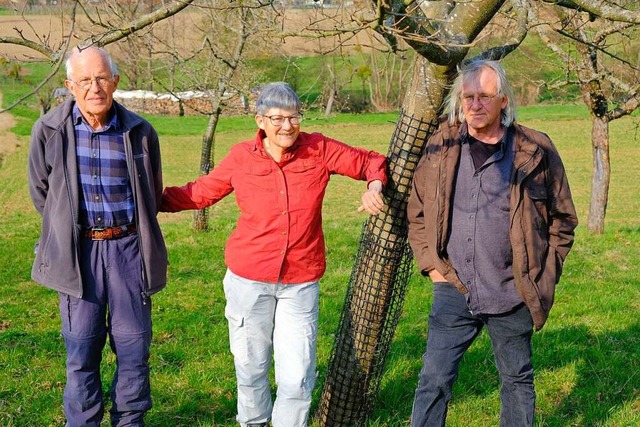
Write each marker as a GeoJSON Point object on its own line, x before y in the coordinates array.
{"type": "Point", "coordinates": [587, 356]}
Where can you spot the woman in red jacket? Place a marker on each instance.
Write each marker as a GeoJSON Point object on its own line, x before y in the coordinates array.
{"type": "Point", "coordinates": [276, 254]}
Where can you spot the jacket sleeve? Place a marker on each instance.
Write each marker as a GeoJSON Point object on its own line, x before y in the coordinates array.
{"type": "Point", "coordinates": [204, 191]}
{"type": "Point", "coordinates": [562, 213]}
{"type": "Point", "coordinates": [38, 171]}
{"type": "Point", "coordinates": [415, 217]}
{"type": "Point", "coordinates": [354, 162]}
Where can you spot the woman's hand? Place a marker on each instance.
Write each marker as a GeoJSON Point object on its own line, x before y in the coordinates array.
{"type": "Point", "coordinates": [372, 200]}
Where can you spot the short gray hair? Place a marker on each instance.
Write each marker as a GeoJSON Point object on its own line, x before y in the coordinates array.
{"type": "Point", "coordinates": [470, 70]}
{"type": "Point", "coordinates": [78, 49]}
{"type": "Point", "coordinates": [277, 95]}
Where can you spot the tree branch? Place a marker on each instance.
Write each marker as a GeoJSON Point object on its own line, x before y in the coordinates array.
{"type": "Point", "coordinates": [112, 36]}
{"type": "Point", "coordinates": [607, 10]}
{"type": "Point", "coordinates": [36, 46]}
{"type": "Point", "coordinates": [520, 7]}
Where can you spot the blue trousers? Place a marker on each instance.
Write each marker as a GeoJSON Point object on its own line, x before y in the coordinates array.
{"type": "Point", "coordinates": [452, 329]}
{"type": "Point", "coordinates": [114, 304]}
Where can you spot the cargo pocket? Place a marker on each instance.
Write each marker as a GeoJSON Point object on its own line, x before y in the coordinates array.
{"type": "Point", "coordinates": [65, 312]}
{"type": "Point", "coordinates": [237, 336]}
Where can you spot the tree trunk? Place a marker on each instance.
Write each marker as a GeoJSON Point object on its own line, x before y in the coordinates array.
{"type": "Point", "coordinates": [383, 265]}
{"type": "Point", "coordinates": [200, 221]}
{"type": "Point", "coordinates": [332, 92]}
{"type": "Point", "coordinates": [601, 174]}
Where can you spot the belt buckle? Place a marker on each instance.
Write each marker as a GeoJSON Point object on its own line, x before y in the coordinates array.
{"type": "Point", "coordinates": [98, 230]}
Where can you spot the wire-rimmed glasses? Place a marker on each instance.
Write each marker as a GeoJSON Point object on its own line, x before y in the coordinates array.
{"type": "Point", "coordinates": [85, 84]}
{"type": "Point", "coordinates": [278, 120]}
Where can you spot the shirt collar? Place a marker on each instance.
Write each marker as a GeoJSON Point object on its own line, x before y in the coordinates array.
{"type": "Point", "coordinates": [112, 125]}
{"type": "Point", "coordinates": [259, 146]}
{"type": "Point", "coordinates": [465, 137]}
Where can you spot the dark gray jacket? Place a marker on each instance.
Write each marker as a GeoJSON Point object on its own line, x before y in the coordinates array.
{"type": "Point", "coordinates": [53, 185]}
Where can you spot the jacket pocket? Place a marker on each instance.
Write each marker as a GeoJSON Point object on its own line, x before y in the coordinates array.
{"type": "Point", "coordinates": [538, 208]}
{"type": "Point", "coordinates": [431, 177]}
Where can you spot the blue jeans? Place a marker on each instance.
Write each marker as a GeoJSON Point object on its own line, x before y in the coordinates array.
{"type": "Point", "coordinates": [452, 329]}
{"type": "Point", "coordinates": [113, 304]}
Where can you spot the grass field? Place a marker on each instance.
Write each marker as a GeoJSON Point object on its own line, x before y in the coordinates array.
{"type": "Point", "coordinates": [587, 356]}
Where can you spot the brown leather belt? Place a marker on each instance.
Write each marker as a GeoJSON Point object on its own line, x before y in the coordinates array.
{"type": "Point", "coordinates": [109, 233]}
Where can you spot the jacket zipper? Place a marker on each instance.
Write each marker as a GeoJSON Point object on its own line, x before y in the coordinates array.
{"type": "Point", "coordinates": [134, 192]}
{"type": "Point", "coordinates": [73, 207]}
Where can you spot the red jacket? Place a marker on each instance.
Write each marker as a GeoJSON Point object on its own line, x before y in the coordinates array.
{"type": "Point", "coordinates": [278, 236]}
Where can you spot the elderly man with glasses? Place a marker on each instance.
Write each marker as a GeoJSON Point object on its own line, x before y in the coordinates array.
{"type": "Point", "coordinates": [491, 221]}
{"type": "Point", "coordinates": [95, 178]}
{"type": "Point", "coordinates": [276, 254]}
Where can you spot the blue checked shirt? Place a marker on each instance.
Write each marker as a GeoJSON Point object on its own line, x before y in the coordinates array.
{"type": "Point", "coordinates": [106, 199]}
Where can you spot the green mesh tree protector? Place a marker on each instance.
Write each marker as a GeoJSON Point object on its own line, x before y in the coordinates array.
{"type": "Point", "coordinates": [376, 291]}
{"type": "Point", "coordinates": [382, 267]}
{"type": "Point", "coordinates": [443, 33]}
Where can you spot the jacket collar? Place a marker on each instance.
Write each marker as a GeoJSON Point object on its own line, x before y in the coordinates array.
{"type": "Point", "coordinates": [56, 118]}
{"type": "Point", "coordinates": [258, 145]}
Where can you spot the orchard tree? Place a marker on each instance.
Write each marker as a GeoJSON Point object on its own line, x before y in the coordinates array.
{"type": "Point", "coordinates": [442, 34]}
{"type": "Point", "coordinates": [601, 58]}
{"type": "Point", "coordinates": [215, 68]}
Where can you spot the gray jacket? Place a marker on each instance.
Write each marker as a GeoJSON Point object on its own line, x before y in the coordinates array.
{"type": "Point", "coordinates": [54, 189]}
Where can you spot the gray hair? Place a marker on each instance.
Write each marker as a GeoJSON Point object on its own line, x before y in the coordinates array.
{"type": "Point", "coordinates": [77, 50]}
{"type": "Point", "coordinates": [277, 95]}
{"type": "Point", "coordinates": [470, 70]}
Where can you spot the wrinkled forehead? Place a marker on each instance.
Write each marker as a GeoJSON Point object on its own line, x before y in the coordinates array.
{"type": "Point", "coordinates": [484, 80]}
{"type": "Point", "coordinates": [89, 63]}
{"type": "Point", "coordinates": [277, 111]}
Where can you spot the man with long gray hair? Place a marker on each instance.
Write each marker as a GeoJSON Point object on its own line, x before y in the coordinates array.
{"type": "Point", "coordinates": [491, 221]}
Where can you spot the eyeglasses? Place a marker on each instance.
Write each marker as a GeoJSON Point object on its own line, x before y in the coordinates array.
{"type": "Point", "coordinates": [482, 99]}
{"type": "Point", "coordinates": [279, 120]}
{"type": "Point", "coordinates": [85, 84]}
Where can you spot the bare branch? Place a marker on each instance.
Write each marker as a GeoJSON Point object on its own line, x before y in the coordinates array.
{"type": "Point", "coordinates": [520, 8]}
{"type": "Point", "coordinates": [36, 46]}
{"type": "Point", "coordinates": [593, 45]}
{"type": "Point", "coordinates": [112, 36]}
{"type": "Point", "coordinates": [625, 108]}
{"type": "Point", "coordinates": [607, 10]}
{"type": "Point", "coordinates": [35, 90]}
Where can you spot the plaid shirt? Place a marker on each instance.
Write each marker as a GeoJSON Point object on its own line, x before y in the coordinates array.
{"type": "Point", "coordinates": [106, 199]}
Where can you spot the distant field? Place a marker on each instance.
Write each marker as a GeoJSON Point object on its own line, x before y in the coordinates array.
{"type": "Point", "coordinates": [55, 29]}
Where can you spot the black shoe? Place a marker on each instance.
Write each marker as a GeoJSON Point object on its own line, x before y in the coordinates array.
{"type": "Point", "coordinates": [258, 425]}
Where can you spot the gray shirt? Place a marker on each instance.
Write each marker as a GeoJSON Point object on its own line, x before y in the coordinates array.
{"type": "Point", "coordinates": [479, 246]}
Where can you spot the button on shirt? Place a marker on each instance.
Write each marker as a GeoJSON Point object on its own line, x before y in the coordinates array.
{"type": "Point", "coordinates": [479, 245]}
{"type": "Point", "coordinates": [278, 237]}
{"type": "Point", "coordinates": [106, 199]}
